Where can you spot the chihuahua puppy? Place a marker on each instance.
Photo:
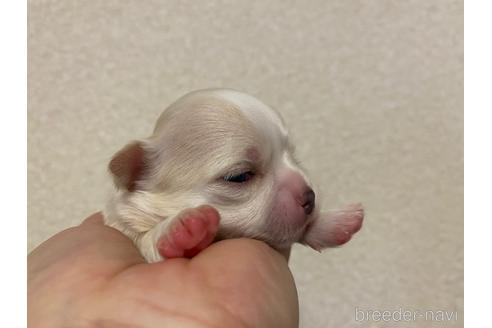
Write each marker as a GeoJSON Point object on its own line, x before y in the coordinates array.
{"type": "Point", "coordinates": [219, 165]}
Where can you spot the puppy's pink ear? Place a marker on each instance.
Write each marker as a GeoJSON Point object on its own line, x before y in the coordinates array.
{"type": "Point", "coordinates": [127, 166]}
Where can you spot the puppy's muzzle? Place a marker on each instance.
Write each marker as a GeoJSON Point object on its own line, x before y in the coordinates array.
{"type": "Point", "coordinates": [308, 203]}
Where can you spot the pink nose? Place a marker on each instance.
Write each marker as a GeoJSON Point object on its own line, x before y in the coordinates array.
{"type": "Point", "coordinates": [308, 202]}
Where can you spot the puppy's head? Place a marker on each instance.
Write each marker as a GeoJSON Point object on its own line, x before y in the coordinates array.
{"type": "Point", "coordinates": [226, 149]}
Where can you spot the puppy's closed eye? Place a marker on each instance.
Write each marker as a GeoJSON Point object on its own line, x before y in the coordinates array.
{"type": "Point", "coordinates": [241, 177]}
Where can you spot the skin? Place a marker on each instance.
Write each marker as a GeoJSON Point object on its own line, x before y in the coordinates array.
{"type": "Point", "coordinates": [93, 276]}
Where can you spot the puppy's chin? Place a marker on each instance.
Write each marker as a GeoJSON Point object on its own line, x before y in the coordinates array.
{"type": "Point", "coordinates": [282, 233]}
{"type": "Point", "coordinates": [279, 234]}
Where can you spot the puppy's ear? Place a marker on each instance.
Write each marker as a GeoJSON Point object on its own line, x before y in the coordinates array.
{"type": "Point", "coordinates": [128, 165]}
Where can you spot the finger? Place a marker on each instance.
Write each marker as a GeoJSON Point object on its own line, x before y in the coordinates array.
{"type": "Point", "coordinates": [96, 218]}
{"type": "Point", "coordinates": [241, 250]}
{"type": "Point", "coordinates": [106, 243]}
{"type": "Point", "coordinates": [91, 246]}
{"type": "Point", "coordinates": [246, 270]}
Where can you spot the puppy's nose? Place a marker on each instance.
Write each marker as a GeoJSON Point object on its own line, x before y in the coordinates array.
{"type": "Point", "coordinates": [308, 204]}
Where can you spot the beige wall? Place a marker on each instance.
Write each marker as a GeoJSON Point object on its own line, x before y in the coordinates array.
{"type": "Point", "coordinates": [371, 90]}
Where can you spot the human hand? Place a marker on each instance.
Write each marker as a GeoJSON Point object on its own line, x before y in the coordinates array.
{"type": "Point", "coordinates": [93, 276]}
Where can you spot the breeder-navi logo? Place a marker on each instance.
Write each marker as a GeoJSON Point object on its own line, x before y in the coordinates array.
{"type": "Point", "coordinates": [404, 315]}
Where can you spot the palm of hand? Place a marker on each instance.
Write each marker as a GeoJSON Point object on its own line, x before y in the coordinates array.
{"type": "Point", "coordinates": [93, 276]}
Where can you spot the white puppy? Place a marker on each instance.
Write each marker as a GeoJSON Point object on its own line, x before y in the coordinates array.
{"type": "Point", "coordinates": [218, 152]}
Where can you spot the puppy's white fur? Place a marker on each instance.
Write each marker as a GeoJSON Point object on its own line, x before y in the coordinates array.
{"type": "Point", "coordinates": [197, 141]}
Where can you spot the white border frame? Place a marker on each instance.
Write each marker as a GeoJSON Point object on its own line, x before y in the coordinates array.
{"type": "Point", "coordinates": [13, 119]}
{"type": "Point", "coordinates": [478, 162]}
